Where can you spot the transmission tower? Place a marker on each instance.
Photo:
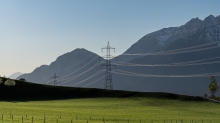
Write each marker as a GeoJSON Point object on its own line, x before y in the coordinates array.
{"type": "Point", "coordinates": [55, 79]}
{"type": "Point", "coordinates": [108, 65]}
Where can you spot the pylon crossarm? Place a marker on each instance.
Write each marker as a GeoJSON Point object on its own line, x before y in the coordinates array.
{"type": "Point", "coordinates": [108, 48]}
{"type": "Point", "coordinates": [111, 48]}
{"type": "Point", "coordinates": [104, 48]}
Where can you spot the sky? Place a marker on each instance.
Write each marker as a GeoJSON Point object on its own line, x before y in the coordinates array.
{"type": "Point", "coordinates": [36, 32]}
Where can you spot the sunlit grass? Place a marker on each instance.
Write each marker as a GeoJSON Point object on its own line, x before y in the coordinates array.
{"type": "Point", "coordinates": [126, 110]}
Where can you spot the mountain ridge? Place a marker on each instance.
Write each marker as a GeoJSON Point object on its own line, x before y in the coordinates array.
{"type": "Point", "coordinates": [166, 39]}
{"type": "Point", "coordinates": [159, 40]}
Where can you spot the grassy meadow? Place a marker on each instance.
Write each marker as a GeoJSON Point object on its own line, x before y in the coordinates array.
{"type": "Point", "coordinates": [111, 110]}
{"type": "Point", "coordinates": [35, 103]}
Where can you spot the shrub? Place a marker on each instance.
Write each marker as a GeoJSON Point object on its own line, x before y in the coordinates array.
{"type": "Point", "coordinates": [9, 82]}
{"type": "Point", "coordinates": [213, 87]}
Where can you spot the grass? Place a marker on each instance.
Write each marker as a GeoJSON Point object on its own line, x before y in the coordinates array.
{"type": "Point", "coordinates": [121, 109]}
{"type": "Point", "coordinates": [52, 104]}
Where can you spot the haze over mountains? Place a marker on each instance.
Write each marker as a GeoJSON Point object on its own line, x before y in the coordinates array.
{"type": "Point", "coordinates": [83, 64]}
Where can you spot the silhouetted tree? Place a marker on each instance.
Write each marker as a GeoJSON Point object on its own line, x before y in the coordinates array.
{"type": "Point", "coordinates": [213, 87]}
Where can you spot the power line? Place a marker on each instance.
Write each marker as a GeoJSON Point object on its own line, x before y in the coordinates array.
{"type": "Point", "coordinates": [204, 60]}
{"type": "Point", "coordinates": [145, 38]}
{"type": "Point", "coordinates": [156, 53]}
{"type": "Point", "coordinates": [75, 64]}
{"type": "Point", "coordinates": [76, 76]}
{"type": "Point", "coordinates": [165, 76]}
{"type": "Point", "coordinates": [189, 63]}
{"type": "Point", "coordinates": [95, 81]}
{"type": "Point", "coordinates": [163, 65]}
{"type": "Point", "coordinates": [72, 78]}
{"type": "Point", "coordinates": [82, 72]}
{"type": "Point", "coordinates": [95, 74]}
{"type": "Point", "coordinates": [173, 64]}
{"type": "Point", "coordinates": [153, 53]}
{"type": "Point", "coordinates": [75, 70]}
{"type": "Point", "coordinates": [182, 62]}
{"type": "Point", "coordinates": [168, 53]}
{"type": "Point", "coordinates": [45, 78]}
{"type": "Point", "coordinates": [80, 68]}
{"type": "Point", "coordinates": [194, 29]}
{"type": "Point", "coordinates": [192, 47]}
{"type": "Point", "coordinates": [65, 69]}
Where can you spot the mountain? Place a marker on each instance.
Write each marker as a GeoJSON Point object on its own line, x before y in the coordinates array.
{"type": "Point", "coordinates": [15, 75]}
{"type": "Point", "coordinates": [193, 33]}
{"type": "Point", "coordinates": [71, 64]}
{"type": "Point", "coordinates": [81, 68]}
{"type": "Point", "coordinates": [160, 40]}
{"type": "Point", "coordinates": [207, 31]}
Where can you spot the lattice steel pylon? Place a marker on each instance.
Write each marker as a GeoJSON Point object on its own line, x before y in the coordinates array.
{"type": "Point", "coordinates": [55, 77]}
{"type": "Point", "coordinates": [108, 75]}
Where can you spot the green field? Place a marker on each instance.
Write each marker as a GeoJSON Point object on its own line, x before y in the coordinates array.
{"type": "Point", "coordinates": [35, 103]}
{"type": "Point", "coordinates": [111, 110]}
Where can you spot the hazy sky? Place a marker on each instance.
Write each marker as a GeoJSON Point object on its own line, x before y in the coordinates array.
{"type": "Point", "coordinates": [36, 32]}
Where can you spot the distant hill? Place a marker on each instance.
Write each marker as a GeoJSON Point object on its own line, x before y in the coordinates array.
{"type": "Point", "coordinates": [15, 75]}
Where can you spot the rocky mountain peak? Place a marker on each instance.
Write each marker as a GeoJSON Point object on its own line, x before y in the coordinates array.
{"type": "Point", "coordinates": [193, 23]}
{"type": "Point", "coordinates": [79, 52]}
{"type": "Point", "coordinates": [209, 19]}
